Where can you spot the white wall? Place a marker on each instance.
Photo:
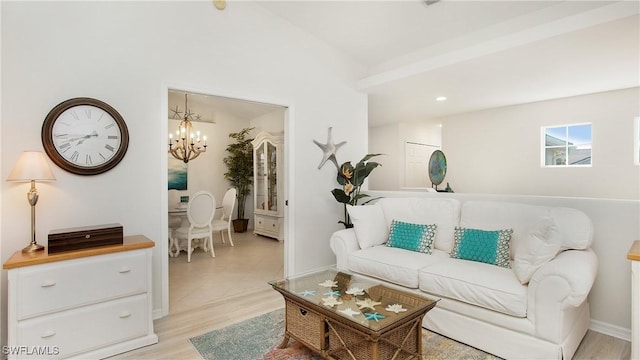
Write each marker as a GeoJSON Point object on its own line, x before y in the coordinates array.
{"type": "Point", "coordinates": [390, 140]}
{"type": "Point", "coordinates": [127, 54]}
{"type": "Point", "coordinates": [498, 150]}
{"type": "Point", "coordinates": [272, 122]}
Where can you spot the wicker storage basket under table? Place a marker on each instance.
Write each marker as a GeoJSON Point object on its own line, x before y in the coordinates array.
{"type": "Point", "coordinates": [335, 335]}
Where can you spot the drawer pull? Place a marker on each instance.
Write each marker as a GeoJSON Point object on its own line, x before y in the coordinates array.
{"type": "Point", "coordinates": [48, 284]}
{"type": "Point", "coordinates": [125, 314]}
{"type": "Point", "coordinates": [48, 334]}
{"type": "Point", "coordinates": [303, 312]}
{"type": "Point", "coordinates": [125, 270]}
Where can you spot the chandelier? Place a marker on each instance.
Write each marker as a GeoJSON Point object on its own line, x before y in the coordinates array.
{"type": "Point", "coordinates": [187, 145]}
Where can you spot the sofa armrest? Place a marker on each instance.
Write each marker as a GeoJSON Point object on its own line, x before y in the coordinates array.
{"type": "Point", "coordinates": [577, 268]}
{"type": "Point", "coordinates": [558, 290]}
{"type": "Point", "coordinates": [342, 243]}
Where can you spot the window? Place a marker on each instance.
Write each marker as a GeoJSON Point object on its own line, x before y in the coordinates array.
{"type": "Point", "coordinates": [636, 141]}
{"type": "Point", "coordinates": [567, 145]}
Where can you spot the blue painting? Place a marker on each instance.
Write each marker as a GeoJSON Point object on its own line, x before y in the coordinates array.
{"type": "Point", "coordinates": [177, 174]}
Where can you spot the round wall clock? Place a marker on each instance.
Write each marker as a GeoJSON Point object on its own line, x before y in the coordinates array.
{"type": "Point", "coordinates": [85, 136]}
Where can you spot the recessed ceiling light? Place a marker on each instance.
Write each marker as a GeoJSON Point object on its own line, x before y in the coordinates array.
{"type": "Point", "coordinates": [441, 98]}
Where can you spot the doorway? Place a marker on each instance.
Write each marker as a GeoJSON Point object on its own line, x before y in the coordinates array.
{"type": "Point", "coordinates": [216, 116]}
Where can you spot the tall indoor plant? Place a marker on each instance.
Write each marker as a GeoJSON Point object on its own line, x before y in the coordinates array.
{"type": "Point", "coordinates": [240, 172]}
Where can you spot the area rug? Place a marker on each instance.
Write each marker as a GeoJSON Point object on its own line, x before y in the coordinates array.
{"type": "Point", "coordinates": [257, 338]}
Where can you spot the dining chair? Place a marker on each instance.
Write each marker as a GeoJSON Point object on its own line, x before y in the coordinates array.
{"type": "Point", "coordinates": [200, 211]}
{"type": "Point", "coordinates": [224, 223]}
{"type": "Point", "coordinates": [173, 221]}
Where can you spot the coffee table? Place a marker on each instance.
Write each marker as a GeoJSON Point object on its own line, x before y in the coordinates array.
{"type": "Point", "coordinates": [341, 316]}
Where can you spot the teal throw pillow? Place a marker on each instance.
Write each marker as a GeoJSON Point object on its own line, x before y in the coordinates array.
{"type": "Point", "coordinates": [491, 247]}
{"type": "Point", "coordinates": [414, 237]}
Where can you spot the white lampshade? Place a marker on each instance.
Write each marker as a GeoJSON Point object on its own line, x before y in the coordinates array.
{"type": "Point", "coordinates": [31, 165]}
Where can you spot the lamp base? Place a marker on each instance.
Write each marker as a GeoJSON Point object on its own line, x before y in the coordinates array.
{"type": "Point", "coordinates": [33, 248]}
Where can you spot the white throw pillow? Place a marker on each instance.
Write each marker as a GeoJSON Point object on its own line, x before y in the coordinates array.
{"type": "Point", "coordinates": [369, 224]}
{"type": "Point", "coordinates": [542, 244]}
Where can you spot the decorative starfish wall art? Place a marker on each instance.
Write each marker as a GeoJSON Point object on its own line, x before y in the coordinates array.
{"type": "Point", "coordinates": [329, 150]}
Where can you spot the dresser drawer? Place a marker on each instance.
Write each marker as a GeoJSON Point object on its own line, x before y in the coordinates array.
{"type": "Point", "coordinates": [64, 285]}
{"type": "Point", "coordinates": [87, 328]}
{"type": "Point", "coordinates": [266, 223]}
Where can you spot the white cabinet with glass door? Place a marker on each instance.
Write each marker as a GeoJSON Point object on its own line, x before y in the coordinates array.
{"type": "Point", "coordinates": [268, 185]}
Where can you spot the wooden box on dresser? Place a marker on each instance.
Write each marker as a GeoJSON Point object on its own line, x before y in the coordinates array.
{"type": "Point", "coordinates": [89, 304]}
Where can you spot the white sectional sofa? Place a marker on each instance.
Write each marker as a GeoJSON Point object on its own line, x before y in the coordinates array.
{"type": "Point", "coordinates": [537, 308]}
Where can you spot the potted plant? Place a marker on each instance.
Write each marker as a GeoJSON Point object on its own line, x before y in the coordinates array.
{"type": "Point", "coordinates": [351, 178]}
{"type": "Point", "coordinates": [240, 172]}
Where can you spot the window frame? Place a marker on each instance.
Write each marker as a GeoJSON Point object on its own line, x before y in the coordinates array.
{"type": "Point", "coordinates": [543, 146]}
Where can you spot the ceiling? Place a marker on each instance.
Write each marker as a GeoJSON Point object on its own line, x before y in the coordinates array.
{"type": "Point", "coordinates": [479, 54]}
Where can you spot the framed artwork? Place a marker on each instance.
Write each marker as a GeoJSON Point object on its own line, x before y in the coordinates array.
{"type": "Point", "coordinates": [177, 178]}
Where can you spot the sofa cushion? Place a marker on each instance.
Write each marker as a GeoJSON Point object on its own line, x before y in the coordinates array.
{"type": "Point", "coordinates": [444, 212]}
{"type": "Point", "coordinates": [575, 227]}
{"type": "Point", "coordinates": [491, 247]}
{"type": "Point", "coordinates": [414, 237]}
{"type": "Point", "coordinates": [543, 243]}
{"type": "Point", "coordinates": [492, 287]}
{"type": "Point", "coordinates": [369, 225]}
{"type": "Point", "coordinates": [492, 215]}
{"type": "Point", "coordinates": [394, 265]}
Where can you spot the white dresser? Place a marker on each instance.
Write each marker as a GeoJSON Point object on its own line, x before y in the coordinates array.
{"type": "Point", "coordinates": [634, 256]}
{"type": "Point", "coordinates": [87, 304]}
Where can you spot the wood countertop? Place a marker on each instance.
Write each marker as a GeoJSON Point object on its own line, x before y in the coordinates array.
{"type": "Point", "coordinates": [20, 259]}
{"type": "Point", "coordinates": [634, 252]}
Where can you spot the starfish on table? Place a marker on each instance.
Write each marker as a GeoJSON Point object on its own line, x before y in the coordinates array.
{"type": "Point", "coordinates": [396, 308]}
{"type": "Point", "coordinates": [331, 301]}
{"type": "Point", "coordinates": [335, 293]}
{"type": "Point", "coordinates": [329, 283]}
{"type": "Point", "coordinates": [355, 291]}
{"type": "Point", "coordinates": [329, 150]}
{"type": "Point", "coordinates": [375, 316]}
{"type": "Point", "coordinates": [350, 312]}
{"type": "Point", "coordinates": [367, 303]}
{"type": "Point", "coordinates": [308, 293]}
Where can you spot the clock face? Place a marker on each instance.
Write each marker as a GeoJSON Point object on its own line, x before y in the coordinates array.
{"type": "Point", "coordinates": [85, 136]}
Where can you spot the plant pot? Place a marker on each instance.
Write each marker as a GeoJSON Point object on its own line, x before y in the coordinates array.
{"type": "Point", "coordinates": [240, 225]}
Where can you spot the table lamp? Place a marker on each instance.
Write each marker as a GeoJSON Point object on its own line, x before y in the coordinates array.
{"type": "Point", "coordinates": [32, 166]}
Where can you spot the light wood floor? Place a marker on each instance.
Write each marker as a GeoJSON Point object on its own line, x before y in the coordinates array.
{"type": "Point", "coordinates": [239, 291]}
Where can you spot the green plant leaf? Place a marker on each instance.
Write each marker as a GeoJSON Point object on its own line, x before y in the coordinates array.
{"type": "Point", "coordinates": [340, 196]}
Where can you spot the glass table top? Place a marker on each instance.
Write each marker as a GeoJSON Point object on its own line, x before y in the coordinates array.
{"type": "Point", "coordinates": [371, 305]}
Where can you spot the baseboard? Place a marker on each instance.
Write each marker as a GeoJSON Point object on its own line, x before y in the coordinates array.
{"type": "Point", "coordinates": [611, 330]}
{"type": "Point", "coordinates": [157, 314]}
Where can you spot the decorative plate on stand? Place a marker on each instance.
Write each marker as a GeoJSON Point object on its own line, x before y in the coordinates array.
{"type": "Point", "coordinates": [437, 168]}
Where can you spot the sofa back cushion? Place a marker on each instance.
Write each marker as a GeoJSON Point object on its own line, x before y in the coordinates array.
{"type": "Point", "coordinates": [574, 226]}
{"type": "Point", "coordinates": [443, 212]}
{"type": "Point", "coordinates": [369, 225]}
